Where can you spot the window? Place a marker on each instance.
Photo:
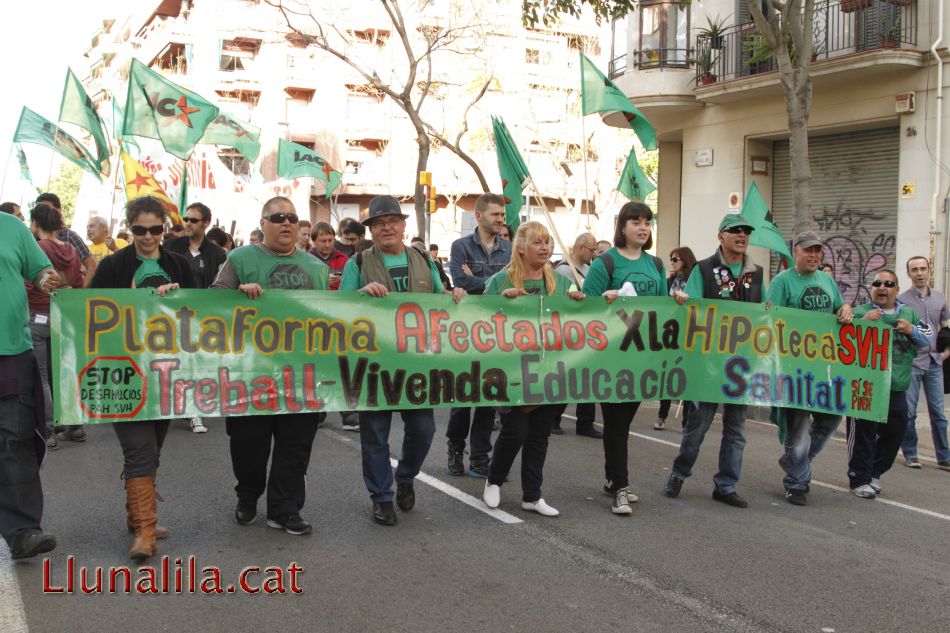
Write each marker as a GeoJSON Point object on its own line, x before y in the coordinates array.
{"type": "Point", "coordinates": [172, 58]}
{"type": "Point", "coordinates": [664, 34]}
{"type": "Point", "coordinates": [239, 53]}
{"type": "Point", "coordinates": [618, 48]}
{"type": "Point", "coordinates": [353, 167]}
{"type": "Point", "coordinates": [301, 96]}
{"type": "Point", "coordinates": [537, 56]}
{"type": "Point", "coordinates": [233, 160]}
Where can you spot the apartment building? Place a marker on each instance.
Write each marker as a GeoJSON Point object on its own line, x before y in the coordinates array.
{"type": "Point", "coordinates": [242, 54]}
{"type": "Point", "coordinates": [721, 121]}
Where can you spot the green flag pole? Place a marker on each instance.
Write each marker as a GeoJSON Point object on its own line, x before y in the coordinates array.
{"type": "Point", "coordinates": [586, 191]}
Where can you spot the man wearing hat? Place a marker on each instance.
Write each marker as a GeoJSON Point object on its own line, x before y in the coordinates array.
{"type": "Point", "coordinates": [728, 274]}
{"type": "Point", "coordinates": [389, 266]}
{"type": "Point", "coordinates": [806, 288]}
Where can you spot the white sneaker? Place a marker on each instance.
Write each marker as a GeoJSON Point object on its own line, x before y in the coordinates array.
{"type": "Point", "coordinates": [876, 485]}
{"type": "Point", "coordinates": [492, 495]}
{"type": "Point", "coordinates": [197, 426]}
{"type": "Point", "coordinates": [864, 491]}
{"type": "Point", "coordinates": [621, 504]}
{"type": "Point", "coordinates": [540, 507]}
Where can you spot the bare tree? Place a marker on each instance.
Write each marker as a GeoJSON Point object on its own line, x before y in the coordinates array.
{"type": "Point", "coordinates": [419, 45]}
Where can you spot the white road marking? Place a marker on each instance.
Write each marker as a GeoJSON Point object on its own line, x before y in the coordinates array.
{"type": "Point", "coordinates": [445, 488]}
{"type": "Point", "coordinates": [896, 504]}
{"type": "Point", "coordinates": [12, 617]}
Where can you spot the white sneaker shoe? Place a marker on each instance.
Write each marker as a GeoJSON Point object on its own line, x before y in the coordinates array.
{"type": "Point", "coordinates": [197, 426]}
{"type": "Point", "coordinates": [876, 485]}
{"type": "Point", "coordinates": [540, 507]}
{"type": "Point", "coordinates": [621, 504]}
{"type": "Point", "coordinates": [492, 495]}
{"type": "Point", "coordinates": [864, 491]}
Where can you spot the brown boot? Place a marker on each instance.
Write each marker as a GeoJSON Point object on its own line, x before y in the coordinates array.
{"type": "Point", "coordinates": [161, 532]}
{"type": "Point", "coordinates": [140, 499]}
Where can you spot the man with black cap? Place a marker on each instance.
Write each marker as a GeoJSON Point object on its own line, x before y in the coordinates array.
{"type": "Point", "coordinates": [728, 274]}
{"type": "Point", "coordinates": [806, 288]}
{"type": "Point", "coordinates": [389, 266]}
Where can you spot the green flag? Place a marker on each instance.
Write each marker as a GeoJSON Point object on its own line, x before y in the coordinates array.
{"type": "Point", "coordinates": [599, 94]}
{"type": "Point", "coordinates": [76, 107]}
{"type": "Point", "coordinates": [294, 161]}
{"type": "Point", "coordinates": [24, 166]}
{"type": "Point", "coordinates": [183, 198]}
{"type": "Point", "coordinates": [230, 132]}
{"type": "Point", "coordinates": [514, 173]}
{"type": "Point", "coordinates": [157, 108]}
{"type": "Point", "coordinates": [32, 128]}
{"type": "Point", "coordinates": [633, 182]}
{"type": "Point", "coordinates": [118, 122]}
{"type": "Point", "coordinates": [765, 233]}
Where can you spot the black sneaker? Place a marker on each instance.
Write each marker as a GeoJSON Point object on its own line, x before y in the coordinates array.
{"type": "Point", "coordinates": [246, 512]}
{"type": "Point", "coordinates": [731, 499]}
{"type": "Point", "coordinates": [405, 496]}
{"type": "Point", "coordinates": [33, 544]}
{"type": "Point", "coordinates": [74, 434]}
{"type": "Point", "coordinates": [479, 471]}
{"type": "Point", "coordinates": [673, 486]}
{"type": "Point", "coordinates": [589, 431]}
{"type": "Point", "coordinates": [291, 524]}
{"type": "Point", "coordinates": [796, 497]}
{"type": "Point", "coordinates": [557, 430]}
{"type": "Point", "coordinates": [383, 513]}
{"type": "Point", "coordinates": [51, 443]}
{"type": "Point", "coordinates": [455, 466]}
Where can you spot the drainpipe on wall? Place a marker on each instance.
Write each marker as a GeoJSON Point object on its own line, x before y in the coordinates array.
{"type": "Point", "coordinates": [937, 159]}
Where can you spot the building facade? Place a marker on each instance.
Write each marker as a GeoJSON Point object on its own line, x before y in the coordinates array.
{"type": "Point", "coordinates": [714, 96]}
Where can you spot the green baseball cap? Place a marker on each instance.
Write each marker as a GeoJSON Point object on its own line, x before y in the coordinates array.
{"type": "Point", "coordinates": [733, 220]}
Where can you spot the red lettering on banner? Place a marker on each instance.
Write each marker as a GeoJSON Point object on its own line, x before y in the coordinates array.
{"type": "Point", "coordinates": [238, 404]}
{"type": "Point", "coordinates": [405, 331]}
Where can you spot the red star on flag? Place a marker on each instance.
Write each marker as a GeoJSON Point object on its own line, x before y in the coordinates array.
{"type": "Point", "coordinates": [185, 110]}
{"type": "Point", "coordinates": [242, 133]}
{"type": "Point", "coordinates": [140, 180]}
{"type": "Point", "coordinates": [326, 170]}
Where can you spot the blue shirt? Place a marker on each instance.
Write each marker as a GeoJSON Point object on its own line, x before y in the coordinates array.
{"type": "Point", "coordinates": [470, 251]}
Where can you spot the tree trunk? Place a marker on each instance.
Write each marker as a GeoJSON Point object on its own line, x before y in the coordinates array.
{"type": "Point", "coordinates": [800, 165]}
{"type": "Point", "coordinates": [421, 203]}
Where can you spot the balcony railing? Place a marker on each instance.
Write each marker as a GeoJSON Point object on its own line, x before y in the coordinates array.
{"type": "Point", "coordinates": [841, 27]}
{"type": "Point", "coordinates": [663, 58]}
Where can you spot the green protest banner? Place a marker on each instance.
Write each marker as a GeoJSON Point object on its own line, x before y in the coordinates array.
{"type": "Point", "coordinates": [130, 355]}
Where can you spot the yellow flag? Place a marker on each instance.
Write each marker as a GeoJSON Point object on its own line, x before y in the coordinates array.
{"type": "Point", "coordinates": [138, 183]}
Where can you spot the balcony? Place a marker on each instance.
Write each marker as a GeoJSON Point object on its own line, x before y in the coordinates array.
{"type": "Point", "coordinates": [867, 36]}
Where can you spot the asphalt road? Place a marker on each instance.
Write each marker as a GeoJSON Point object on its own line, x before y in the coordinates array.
{"type": "Point", "coordinates": [840, 564]}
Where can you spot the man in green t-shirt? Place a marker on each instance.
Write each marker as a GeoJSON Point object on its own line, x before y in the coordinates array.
{"type": "Point", "coordinates": [389, 266]}
{"type": "Point", "coordinates": [274, 264]}
{"type": "Point", "coordinates": [872, 446]}
{"type": "Point", "coordinates": [804, 287]}
{"type": "Point", "coordinates": [22, 446]}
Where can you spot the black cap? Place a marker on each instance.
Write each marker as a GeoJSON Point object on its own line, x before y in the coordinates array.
{"type": "Point", "coordinates": [381, 206]}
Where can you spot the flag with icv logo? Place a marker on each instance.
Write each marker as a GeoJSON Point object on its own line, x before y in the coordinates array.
{"type": "Point", "coordinates": [157, 108]}
{"type": "Point", "coordinates": [33, 128]}
{"type": "Point", "coordinates": [633, 182]}
{"type": "Point", "coordinates": [231, 132]}
{"type": "Point", "coordinates": [295, 161]}
{"type": "Point", "coordinates": [76, 107]}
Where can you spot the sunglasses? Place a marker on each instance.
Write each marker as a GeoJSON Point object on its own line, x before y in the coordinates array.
{"type": "Point", "coordinates": [192, 220]}
{"type": "Point", "coordinates": [140, 230]}
{"type": "Point", "coordinates": [675, 259]}
{"type": "Point", "coordinates": [280, 218]}
{"type": "Point", "coordinates": [887, 284]}
{"type": "Point", "coordinates": [735, 230]}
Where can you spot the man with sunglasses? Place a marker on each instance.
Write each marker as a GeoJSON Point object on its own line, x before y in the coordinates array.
{"type": "Point", "coordinates": [872, 446]}
{"type": "Point", "coordinates": [389, 266]}
{"type": "Point", "coordinates": [256, 269]}
{"type": "Point", "coordinates": [931, 305]}
{"type": "Point", "coordinates": [804, 287]}
{"type": "Point", "coordinates": [727, 274]}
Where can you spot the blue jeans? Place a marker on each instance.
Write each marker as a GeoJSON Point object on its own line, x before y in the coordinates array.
{"type": "Point", "coordinates": [730, 449]}
{"type": "Point", "coordinates": [374, 438]}
{"type": "Point", "coordinates": [933, 388]}
{"type": "Point", "coordinates": [807, 435]}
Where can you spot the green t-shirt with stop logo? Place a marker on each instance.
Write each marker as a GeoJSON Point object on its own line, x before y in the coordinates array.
{"type": "Point", "coordinates": [298, 271]}
{"type": "Point", "coordinates": [816, 292]}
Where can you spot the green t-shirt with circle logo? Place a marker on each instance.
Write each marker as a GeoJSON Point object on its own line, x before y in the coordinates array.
{"type": "Point", "coordinates": [647, 278]}
{"type": "Point", "coordinates": [816, 292]}
{"type": "Point", "coordinates": [149, 274]}
{"type": "Point", "coordinates": [398, 267]}
{"type": "Point", "coordinates": [298, 271]}
{"type": "Point", "coordinates": [499, 282]}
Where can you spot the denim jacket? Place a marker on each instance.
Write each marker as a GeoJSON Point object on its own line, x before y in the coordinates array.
{"type": "Point", "coordinates": [470, 251]}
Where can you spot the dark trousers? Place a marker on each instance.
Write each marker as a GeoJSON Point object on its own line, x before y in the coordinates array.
{"type": "Point", "coordinates": [585, 414]}
{"type": "Point", "coordinates": [374, 442]}
{"type": "Point", "coordinates": [292, 436]}
{"type": "Point", "coordinates": [480, 424]}
{"type": "Point", "coordinates": [872, 446]}
{"type": "Point", "coordinates": [526, 432]}
{"type": "Point", "coordinates": [141, 444]}
{"type": "Point", "coordinates": [617, 419]}
{"type": "Point", "coordinates": [21, 495]}
{"type": "Point", "coordinates": [664, 409]}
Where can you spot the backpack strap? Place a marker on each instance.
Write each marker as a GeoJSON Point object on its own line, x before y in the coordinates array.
{"type": "Point", "coordinates": [608, 265]}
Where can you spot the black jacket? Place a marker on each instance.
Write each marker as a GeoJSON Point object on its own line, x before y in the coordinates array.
{"type": "Point", "coordinates": [204, 267]}
{"type": "Point", "coordinates": [118, 269]}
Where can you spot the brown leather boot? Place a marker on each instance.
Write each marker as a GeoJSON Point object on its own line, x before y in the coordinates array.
{"type": "Point", "coordinates": [161, 532]}
{"type": "Point", "coordinates": [140, 499]}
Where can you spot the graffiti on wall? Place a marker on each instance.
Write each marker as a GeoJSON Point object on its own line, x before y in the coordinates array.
{"type": "Point", "coordinates": [854, 250]}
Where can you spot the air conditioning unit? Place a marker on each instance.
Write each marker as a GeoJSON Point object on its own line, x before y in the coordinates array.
{"type": "Point", "coordinates": [905, 102]}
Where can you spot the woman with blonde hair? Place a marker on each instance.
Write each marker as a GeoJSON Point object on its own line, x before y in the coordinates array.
{"type": "Point", "coordinates": [525, 429]}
